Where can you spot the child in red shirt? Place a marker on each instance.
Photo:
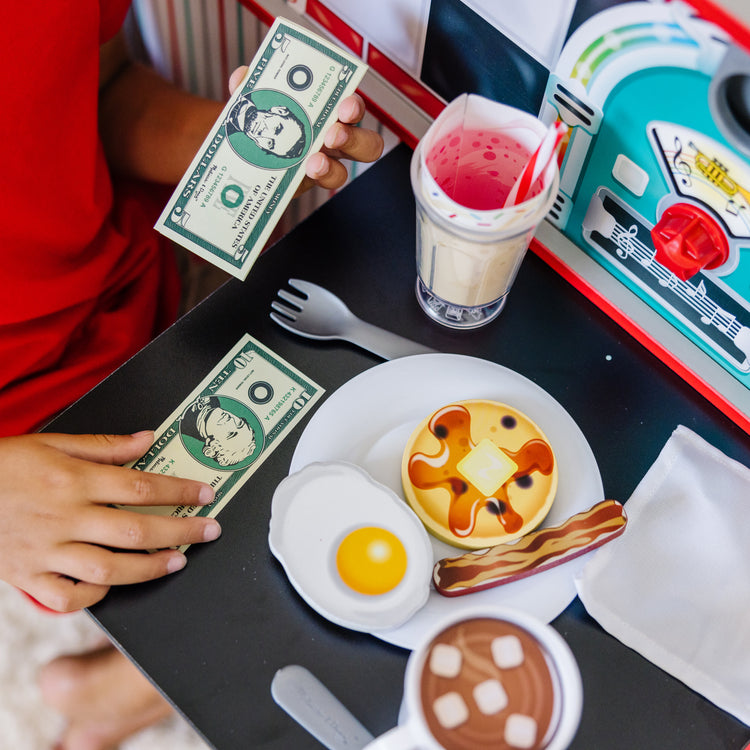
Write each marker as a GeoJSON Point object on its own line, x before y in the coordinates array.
{"type": "Point", "coordinates": [86, 282]}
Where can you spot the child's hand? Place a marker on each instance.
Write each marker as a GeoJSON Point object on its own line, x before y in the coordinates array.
{"type": "Point", "coordinates": [344, 140]}
{"type": "Point", "coordinates": [62, 543]}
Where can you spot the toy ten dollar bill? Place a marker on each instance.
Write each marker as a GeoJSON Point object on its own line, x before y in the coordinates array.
{"type": "Point", "coordinates": [248, 168]}
{"type": "Point", "coordinates": [229, 425]}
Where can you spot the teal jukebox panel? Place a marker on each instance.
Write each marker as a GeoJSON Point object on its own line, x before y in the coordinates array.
{"type": "Point", "coordinates": [655, 178]}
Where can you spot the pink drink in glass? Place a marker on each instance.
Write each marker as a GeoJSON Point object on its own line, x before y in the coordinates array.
{"type": "Point", "coordinates": [477, 167]}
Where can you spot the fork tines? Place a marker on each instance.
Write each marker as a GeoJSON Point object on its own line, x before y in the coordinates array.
{"type": "Point", "coordinates": [293, 299]}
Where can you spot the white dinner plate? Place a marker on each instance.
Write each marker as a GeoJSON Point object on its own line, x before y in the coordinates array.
{"type": "Point", "coordinates": [369, 420]}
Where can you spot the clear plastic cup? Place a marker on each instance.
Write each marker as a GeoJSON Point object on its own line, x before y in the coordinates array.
{"type": "Point", "coordinates": [468, 256]}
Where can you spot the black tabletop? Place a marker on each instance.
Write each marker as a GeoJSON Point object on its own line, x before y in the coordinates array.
{"type": "Point", "coordinates": [212, 636]}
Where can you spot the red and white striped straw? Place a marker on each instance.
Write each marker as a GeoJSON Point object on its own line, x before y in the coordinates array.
{"type": "Point", "coordinates": [537, 164]}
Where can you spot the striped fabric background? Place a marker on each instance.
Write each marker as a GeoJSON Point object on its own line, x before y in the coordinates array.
{"type": "Point", "coordinates": [198, 44]}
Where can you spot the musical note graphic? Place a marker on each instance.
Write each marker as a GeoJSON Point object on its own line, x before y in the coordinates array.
{"type": "Point", "coordinates": [627, 241]}
{"type": "Point", "coordinates": [629, 246]}
{"type": "Point", "coordinates": [680, 166]}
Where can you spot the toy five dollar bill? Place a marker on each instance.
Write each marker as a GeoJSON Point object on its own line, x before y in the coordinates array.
{"type": "Point", "coordinates": [233, 420]}
{"type": "Point", "coordinates": [251, 163]}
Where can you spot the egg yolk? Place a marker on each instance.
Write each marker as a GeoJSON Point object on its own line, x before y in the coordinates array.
{"type": "Point", "coordinates": [371, 560]}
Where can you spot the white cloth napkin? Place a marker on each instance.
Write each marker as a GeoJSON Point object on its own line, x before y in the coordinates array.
{"type": "Point", "coordinates": [675, 587]}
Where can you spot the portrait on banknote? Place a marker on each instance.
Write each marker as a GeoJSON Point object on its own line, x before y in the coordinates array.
{"type": "Point", "coordinates": [268, 129]}
{"type": "Point", "coordinates": [221, 432]}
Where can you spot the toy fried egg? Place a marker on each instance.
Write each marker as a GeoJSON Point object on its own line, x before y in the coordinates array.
{"type": "Point", "coordinates": [479, 473]}
{"type": "Point", "coordinates": [350, 546]}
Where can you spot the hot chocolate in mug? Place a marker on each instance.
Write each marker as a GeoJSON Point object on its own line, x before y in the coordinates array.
{"type": "Point", "coordinates": [490, 678]}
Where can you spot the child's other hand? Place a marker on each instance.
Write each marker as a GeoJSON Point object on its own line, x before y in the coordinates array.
{"type": "Point", "coordinates": [63, 543]}
{"type": "Point", "coordinates": [344, 140]}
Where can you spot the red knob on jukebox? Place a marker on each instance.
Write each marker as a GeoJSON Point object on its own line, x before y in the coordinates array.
{"type": "Point", "coordinates": [687, 240]}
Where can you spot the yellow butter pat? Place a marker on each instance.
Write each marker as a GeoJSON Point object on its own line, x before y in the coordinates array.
{"type": "Point", "coordinates": [487, 467]}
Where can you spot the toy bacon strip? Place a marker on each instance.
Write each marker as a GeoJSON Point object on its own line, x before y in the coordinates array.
{"type": "Point", "coordinates": [533, 553]}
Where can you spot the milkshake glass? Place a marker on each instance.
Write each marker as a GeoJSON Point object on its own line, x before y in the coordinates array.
{"type": "Point", "coordinates": [469, 244]}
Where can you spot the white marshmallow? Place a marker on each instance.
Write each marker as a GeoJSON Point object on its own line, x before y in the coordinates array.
{"type": "Point", "coordinates": [507, 651]}
{"type": "Point", "coordinates": [445, 660]}
{"type": "Point", "coordinates": [450, 710]}
{"type": "Point", "coordinates": [520, 731]}
{"type": "Point", "coordinates": [490, 697]}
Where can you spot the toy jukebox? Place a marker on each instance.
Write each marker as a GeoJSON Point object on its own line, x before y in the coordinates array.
{"type": "Point", "coordinates": [655, 177]}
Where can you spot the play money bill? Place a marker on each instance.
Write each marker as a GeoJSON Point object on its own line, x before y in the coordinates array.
{"type": "Point", "coordinates": [229, 425]}
{"type": "Point", "coordinates": [248, 168]}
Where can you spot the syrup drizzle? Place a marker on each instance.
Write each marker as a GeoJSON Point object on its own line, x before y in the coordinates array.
{"type": "Point", "coordinates": [451, 425]}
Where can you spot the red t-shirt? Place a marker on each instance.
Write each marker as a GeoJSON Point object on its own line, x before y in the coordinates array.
{"type": "Point", "coordinates": [85, 281]}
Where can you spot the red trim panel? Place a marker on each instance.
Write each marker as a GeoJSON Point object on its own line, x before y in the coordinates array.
{"type": "Point", "coordinates": [642, 336]}
{"type": "Point", "coordinates": [711, 11]}
{"type": "Point", "coordinates": [333, 23]}
{"type": "Point", "coordinates": [407, 85]}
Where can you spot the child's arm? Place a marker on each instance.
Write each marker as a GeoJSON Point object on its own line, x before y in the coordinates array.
{"type": "Point", "coordinates": [151, 129]}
